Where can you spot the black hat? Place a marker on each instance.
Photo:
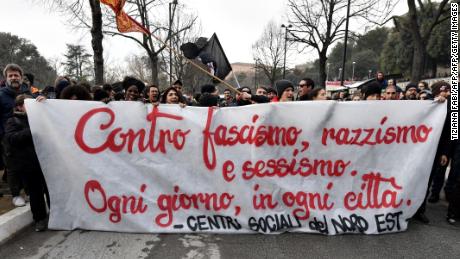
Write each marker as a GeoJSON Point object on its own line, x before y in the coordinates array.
{"type": "Point", "coordinates": [429, 94]}
{"type": "Point", "coordinates": [129, 81]}
{"type": "Point", "coordinates": [282, 85]}
{"type": "Point", "coordinates": [412, 85]}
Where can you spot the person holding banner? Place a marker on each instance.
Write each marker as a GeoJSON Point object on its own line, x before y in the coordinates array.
{"type": "Point", "coordinates": [246, 97]}
{"type": "Point", "coordinates": [439, 170]}
{"type": "Point", "coordinates": [391, 93]}
{"type": "Point", "coordinates": [272, 95]}
{"type": "Point", "coordinates": [305, 86]}
{"type": "Point", "coordinates": [285, 89]}
{"type": "Point", "coordinates": [317, 94]}
{"type": "Point", "coordinates": [133, 87]}
{"type": "Point", "coordinates": [411, 92]}
{"type": "Point", "coordinates": [23, 161]}
{"type": "Point", "coordinates": [76, 92]}
{"type": "Point", "coordinates": [171, 96]}
{"type": "Point", "coordinates": [209, 96]}
{"type": "Point", "coordinates": [227, 100]}
{"type": "Point", "coordinates": [179, 86]}
{"type": "Point", "coordinates": [373, 91]}
{"type": "Point", "coordinates": [261, 90]}
{"type": "Point", "coordinates": [153, 94]}
{"type": "Point", "coordinates": [447, 150]}
{"type": "Point", "coordinates": [14, 86]}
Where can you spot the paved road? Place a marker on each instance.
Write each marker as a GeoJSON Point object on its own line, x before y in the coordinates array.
{"type": "Point", "coordinates": [435, 240]}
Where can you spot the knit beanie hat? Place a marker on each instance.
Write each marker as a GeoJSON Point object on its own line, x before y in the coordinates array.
{"type": "Point", "coordinates": [282, 85]}
{"type": "Point", "coordinates": [412, 85]}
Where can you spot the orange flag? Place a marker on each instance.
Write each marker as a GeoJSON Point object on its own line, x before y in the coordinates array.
{"type": "Point", "coordinates": [124, 22]}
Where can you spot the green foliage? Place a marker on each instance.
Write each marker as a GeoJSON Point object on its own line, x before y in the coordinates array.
{"type": "Point", "coordinates": [78, 64]}
{"type": "Point", "coordinates": [365, 51]}
{"type": "Point", "coordinates": [439, 44]}
{"type": "Point", "coordinates": [373, 40]}
{"type": "Point", "coordinates": [22, 52]}
{"type": "Point", "coordinates": [397, 55]}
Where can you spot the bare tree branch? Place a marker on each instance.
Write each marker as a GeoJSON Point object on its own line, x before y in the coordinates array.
{"type": "Point", "coordinates": [269, 51]}
{"type": "Point", "coordinates": [141, 11]}
{"type": "Point", "coordinates": [320, 23]}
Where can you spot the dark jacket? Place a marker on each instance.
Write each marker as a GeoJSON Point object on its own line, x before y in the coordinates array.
{"type": "Point", "coordinates": [7, 101]}
{"type": "Point", "coordinates": [447, 146]}
{"type": "Point", "coordinates": [19, 147]}
{"type": "Point", "coordinates": [7, 97]}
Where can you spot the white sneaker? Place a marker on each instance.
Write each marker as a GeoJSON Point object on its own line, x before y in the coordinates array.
{"type": "Point", "coordinates": [18, 201]}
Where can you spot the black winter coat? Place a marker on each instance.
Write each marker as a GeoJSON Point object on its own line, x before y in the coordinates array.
{"type": "Point", "coordinates": [19, 147]}
{"type": "Point", "coordinates": [7, 99]}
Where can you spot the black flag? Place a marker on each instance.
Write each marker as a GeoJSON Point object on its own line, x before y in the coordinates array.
{"type": "Point", "coordinates": [211, 55]}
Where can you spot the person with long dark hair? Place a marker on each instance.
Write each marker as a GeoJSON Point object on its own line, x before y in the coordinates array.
{"type": "Point", "coordinates": [171, 96]}
{"type": "Point", "coordinates": [317, 94]}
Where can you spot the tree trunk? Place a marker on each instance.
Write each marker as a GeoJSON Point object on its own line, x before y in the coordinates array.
{"type": "Point", "coordinates": [272, 77]}
{"type": "Point", "coordinates": [154, 68]}
{"type": "Point", "coordinates": [418, 61]}
{"type": "Point", "coordinates": [96, 42]}
{"type": "Point", "coordinates": [322, 68]}
{"type": "Point", "coordinates": [434, 67]}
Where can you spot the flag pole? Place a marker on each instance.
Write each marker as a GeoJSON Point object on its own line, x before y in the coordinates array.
{"type": "Point", "coordinates": [196, 65]}
{"type": "Point", "coordinates": [236, 79]}
{"type": "Point", "coordinates": [118, 10]}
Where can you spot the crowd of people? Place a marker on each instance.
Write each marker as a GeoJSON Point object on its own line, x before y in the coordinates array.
{"type": "Point", "coordinates": [22, 169]}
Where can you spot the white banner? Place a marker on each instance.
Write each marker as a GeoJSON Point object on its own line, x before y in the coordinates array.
{"type": "Point", "coordinates": [322, 167]}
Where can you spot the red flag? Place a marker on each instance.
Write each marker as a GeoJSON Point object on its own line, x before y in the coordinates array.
{"type": "Point", "coordinates": [124, 22]}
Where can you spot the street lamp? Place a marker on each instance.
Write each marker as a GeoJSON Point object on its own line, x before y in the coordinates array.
{"type": "Point", "coordinates": [369, 76]}
{"type": "Point", "coordinates": [353, 72]}
{"type": "Point", "coordinates": [286, 29]}
{"type": "Point", "coordinates": [340, 72]}
{"type": "Point", "coordinates": [174, 2]}
{"type": "Point", "coordinates": [345, 43]}
{"type": "Point", "coordinates": [255, 75]}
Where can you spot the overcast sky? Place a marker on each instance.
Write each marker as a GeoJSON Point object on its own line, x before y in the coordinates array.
{"type": "Point", "coordinates": [238, 23]}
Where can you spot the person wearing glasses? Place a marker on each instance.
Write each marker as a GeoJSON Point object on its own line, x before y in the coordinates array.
{"type": "Point", "coordinates": [304, 87]}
